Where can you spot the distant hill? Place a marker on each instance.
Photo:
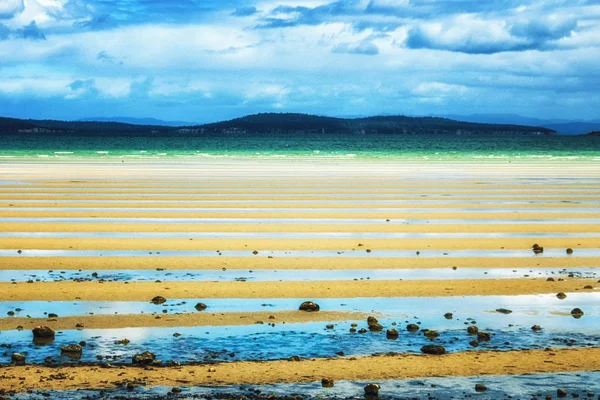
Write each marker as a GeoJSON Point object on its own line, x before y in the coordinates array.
{"type": "Point", "coordinates": [561, 126]}
{"type": "Point", "coordinates": [273, 124]}
{"type": "Point", "coordinates": [289, 123]}
{"type": "Point", "coordinates": [595, 133]}
{"type": "Point", "coordinates": [137, 121]}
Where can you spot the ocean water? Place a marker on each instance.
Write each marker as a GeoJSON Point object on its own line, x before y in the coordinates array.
{"type": "Point", "coordinates": [341, 146]}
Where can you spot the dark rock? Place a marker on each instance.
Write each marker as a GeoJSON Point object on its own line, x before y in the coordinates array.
{"type": "Point", "coordinates": [561, 295]}
{"type": "Point", "coordinates": [72, 349]}
{"type": "Point", "coordinates": [123, 341]}
{"type": "Point", "coordinates": [372, 321]}
{"type": "Point", "coordinates": [430, 334]}
{"type": "Point", "coordinates": [44, 332]}
{"type": "Point", "coordinates": [144, 358]}
{"type": "Point", "coordinates": [329, 326]}
{"type": "Point", "coordinates": [448, 315]}
{"type": "Point", "coordinates": [503, 311]}
{"type": "Point", "coordinates": [472, 330]}
{"type": "Point", "coordinates": [561, 393]}
{"type": "Point", "coordinates": [433, 349]}
{"type": "Point", "coordinates": [588, 287]}
{"type": "Point", "coordinates": [483, 336]}
{"type": "Point", "coordinates": [294, 358]}
{"type": "Point", "coordinates": [569, 251]}
{"type": "Point", "coordinates": [327, 382]}
{"type": "Point", "coordinates": [158, 300]}
{"type": "Point", "coordinates": [537, 249]}
{"type": "Point", "coordinates": [577, 313]}
{"type": "Point", "coordinates": [376, 327]}
{"type": "Point", "coordinates": [412, 327]}
{"type": "Point", "coordinates": [362, 330]}
{"type": "Point", "coordinates": [309, 306]}
{"type": "Point", "coordinates": [550, 279]}
{"type": "Point", "coordinates": [372, 389]}
{"type": "Point", "coordinates": [536, 328]}
{"type": "Point", "coordinates": [176, 390]}
{"type": "Point", "coordinates": [474, 343]}
{"type": "Point", "coordinates": [52, 315]}
{"type": "Point", "coordinates": [391, 334]}
{"type": "Point", "coordinates": [200, 307]}
{"type": "Point", "coordinates": [479, 388]}
{"type": "Point", "coordinates": [18, 359]}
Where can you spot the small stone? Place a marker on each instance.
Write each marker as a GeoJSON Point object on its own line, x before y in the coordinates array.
{"type": "Point", "coordinates": [212, 369]}
{"type": "Point", "coordinates": [176, 390]}
{"type": "Point", "coordinates": [412, 327]}
{"type": "Point", "coordinates": [536, 328]}
{"type": "Point", "coordinates": [18, 359]}
{"type": "Point", "coordinates": [327, 382]}
{"type": "Point", "coordinates": [472, 330]}
{"type": "Point", "coordinates": [200, 307]}
{"type": "Point", "coordinates": [71, 348]}
{"type": "Point", "coordinates": [433, 349]}
{"type": "Point", "coordinates": [144, 358]}
{"type": "Point", "coordinates": [448, 315]}
{"type": "Point", "coordinates": [480, 387]}
{"type": "Point", "coordinates": [550, 279]}
{"type": "Point", "coordinates": [309, 306]}
{"type": "Point", "coordinates": [52, 315]}
{"type": "Point", "coordinates": [372, 389]}
{"type": "Point", "coordinates": [503, 311]}
{"type": "Point", "coordinates": [483, 336]}
{"type": "Point", "coordinates": [561, 295]}
{"type": "Point", "coordinates": [158, 300]}
{"type": "Point", "coordinates": [561, 393]}
{"type": "Point", "coordinates": [391, 334]}
{"type": "Point", "coordinates": [44, 332]}
{"type": "Point", "coordinates": [294, 358]}
{"type": "Point", "coordinates": [329, 326]}
{"type": "Point", "coordinates": [569, 251]}
{"type": "Point", "coordinates": [577, 313]}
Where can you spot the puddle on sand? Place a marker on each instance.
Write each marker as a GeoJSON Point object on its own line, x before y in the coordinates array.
{"type": "Point", "coordinates": [297, 235]}
{"type": "Point", "coordinates": [498, 387]}
{"type": "Point", "coordinates": [527, 309]}
{"type": "Point", "coordinates": [265, 342]}
{"type": "Point", "coordinates": [291, 275]}
{"type": "Point", "coordinates": [548, 253]}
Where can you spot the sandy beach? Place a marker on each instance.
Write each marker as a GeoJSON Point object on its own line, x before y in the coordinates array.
{"type": "Point", "coordinates": [213, 216]}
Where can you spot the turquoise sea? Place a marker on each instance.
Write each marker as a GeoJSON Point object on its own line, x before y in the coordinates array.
{"type": "Point", "coordinates": [342, 146]}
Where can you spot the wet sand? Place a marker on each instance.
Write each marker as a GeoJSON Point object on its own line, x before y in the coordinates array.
{"type": "Point", "coordinates": [141, 291]}
{"type": "Point", "coordinates": [205, 318]}
{"type": "Point", "coordinates": [354, 368]}
{"type": "Point", "coordinates": [253, 196]}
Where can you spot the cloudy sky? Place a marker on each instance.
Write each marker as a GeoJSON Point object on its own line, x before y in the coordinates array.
{"type": "Point", "coordinates": [205, 60]}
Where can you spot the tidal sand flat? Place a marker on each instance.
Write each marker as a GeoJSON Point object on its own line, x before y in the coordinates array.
{"type": "Point", "coordinates": [175, 277]}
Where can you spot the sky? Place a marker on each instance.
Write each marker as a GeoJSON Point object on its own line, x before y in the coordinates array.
{"type": "Point", "coordinates": [208, 60]}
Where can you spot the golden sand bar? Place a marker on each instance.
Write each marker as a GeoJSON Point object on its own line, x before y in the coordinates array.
{"type": "Point", "coordinates": [118, 226]}
{"type": "Point", "coordinates": [204, 318]}
{"type": "Point", "coordinates": [144, 291]}
{"type": "Point", "coordinates": [376, 368]}
{"type": "Point", "coordinates": [263, 262]}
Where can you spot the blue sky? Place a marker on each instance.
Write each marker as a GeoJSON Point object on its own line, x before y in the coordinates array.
{"type": "Point", "coordinates": [195, 60]}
